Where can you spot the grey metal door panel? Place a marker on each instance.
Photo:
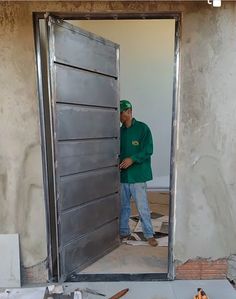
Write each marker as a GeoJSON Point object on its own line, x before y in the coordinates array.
{"type": "Point", "coordinates": [84, 155]}
{"type": "Point", "coordinates": [77, 221]}
{"type": "Point", "coordinates": [81, 188]}
{"type": "Point", "coordinates": [96, 244]}
{"type": "Point", "coordinates": [77, 122]}
{"type": "Point", "coordinates": [78, 48]}
{"type": "Point", "coordinates": [84, 90]}
{"type": "Point", "coordinates": [85, 87]}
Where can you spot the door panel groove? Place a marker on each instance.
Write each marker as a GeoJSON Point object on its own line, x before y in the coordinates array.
{"type": "Point", "coordinates": [100, 169]}
{"type": "Point", "coordinates": [85, 69]}
{"type": "Point", "coordinates": [90, 106]}
{"type": "Point", "coordinates": [68, 210]}
{"type": "Point", "coordinates": [84, 236]}
{"type": "Point", "coordinates": [74, 239]}
{"type": "Point", "coordinates": [88, 171]}
{"type": "Point", "coordinates": [89, 203]}
{"type": "Point", "coordinates": [65, 208]}
{"type": "Point", "coordinates": [74, 140]}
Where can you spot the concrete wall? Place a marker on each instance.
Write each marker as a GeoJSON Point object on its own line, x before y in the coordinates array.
{"type": "Point", "coordinates": [206, 155]}
{"type": "Point", "coordinates": [21, 193]}
{"type": "Point", "coordinates": [146, 78]}
{"type": "Point", "coordinates": [205, 204]}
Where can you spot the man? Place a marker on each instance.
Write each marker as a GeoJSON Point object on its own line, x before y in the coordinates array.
{"type": "Point", "coordinates": [136, 148]}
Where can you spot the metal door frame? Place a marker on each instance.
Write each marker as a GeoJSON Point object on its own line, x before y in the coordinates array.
{"type": "Point", "coordinates": [47, 150]}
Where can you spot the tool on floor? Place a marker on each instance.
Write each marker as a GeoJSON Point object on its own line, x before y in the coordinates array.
{"type": "Point", "coordinates": [78, 295]}
{"type": "Point", "coordinates": [89, 291]}
{"type": "Point", "coordinates": [200, 294]}
{"type": "Point", "coordinates": [119, 294]}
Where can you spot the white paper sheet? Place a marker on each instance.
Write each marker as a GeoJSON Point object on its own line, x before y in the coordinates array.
{"type": "Point", "coordinates": [163, 242]}
{"type": "Point", "coordinates": [156, 223]}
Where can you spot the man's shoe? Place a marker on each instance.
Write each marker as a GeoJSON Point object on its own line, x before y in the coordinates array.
{"type": "Point", "coordinates": [127, 237]}
{"type": "Point", "coordinates": [152, 242]}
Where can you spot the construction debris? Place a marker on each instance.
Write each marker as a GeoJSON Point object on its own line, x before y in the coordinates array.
{"type": "Point", "coordinates": [58, 291]}
{"type": "Point", "coordinates": [89, 291]}
{"type": "Point", "coordinates": [160, 225]}
{"type": "Point", "coordinates": [156, 224]}
{"type": "Point", "coordinates": [55, 289]}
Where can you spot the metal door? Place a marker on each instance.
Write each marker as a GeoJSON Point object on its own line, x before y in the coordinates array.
{"type": "Point", "coordinates": [84, 95]}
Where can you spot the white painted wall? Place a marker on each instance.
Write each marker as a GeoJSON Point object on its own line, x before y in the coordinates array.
{"type": "Point", "coordinates": [146, 79]}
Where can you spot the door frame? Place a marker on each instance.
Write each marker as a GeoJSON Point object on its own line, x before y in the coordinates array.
{"type": "Point", "coordinates": [47, 150]}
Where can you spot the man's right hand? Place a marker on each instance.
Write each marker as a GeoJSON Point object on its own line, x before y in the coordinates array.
{"type": "Point", "coordinates": [127, 162]}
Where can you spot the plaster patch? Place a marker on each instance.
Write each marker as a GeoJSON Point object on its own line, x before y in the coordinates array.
{"type": "Point", "coordinates": [31, 210]}
{"type": "Point", "coordinates": [218, 199]}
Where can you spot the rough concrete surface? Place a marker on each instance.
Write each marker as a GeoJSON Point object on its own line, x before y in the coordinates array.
{"type": "Point", "coordinates": [205, 161]}
{"type": "Point", "coordinates": [205, 158]}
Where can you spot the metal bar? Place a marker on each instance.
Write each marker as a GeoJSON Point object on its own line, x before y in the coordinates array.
{"type": "Point", "coordinates": [118, 277]}
{"type": "Point", "coordinates": [46, 148]}
{"type": "Point", "coordinates": [115, 15]}
{"type": "Point", "coordinates": [53, 123]}
{"type": "Point", "coordinates": [171, 268]}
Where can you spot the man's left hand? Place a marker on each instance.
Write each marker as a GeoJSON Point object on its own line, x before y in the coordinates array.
{"type": "Point", "coordinates": [127, 162]}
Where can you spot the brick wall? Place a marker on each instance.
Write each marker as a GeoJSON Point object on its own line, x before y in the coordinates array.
{"type": "Point", "coordinates": [35, 274]}
{"type": "Point", "coordinates": [202, 269]}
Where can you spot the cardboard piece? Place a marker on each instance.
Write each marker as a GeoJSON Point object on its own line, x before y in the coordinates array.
{"type": "Point", "coordinates": [24, 293]}
{"type": "Point", "coordinates": [10, 261]}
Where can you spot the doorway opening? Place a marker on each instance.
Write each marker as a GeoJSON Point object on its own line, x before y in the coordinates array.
{"type": "Point", "coordinates": [144, 72]}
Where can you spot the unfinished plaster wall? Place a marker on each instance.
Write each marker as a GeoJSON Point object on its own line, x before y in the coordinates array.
{"type": "Point", "coordinates": [206, 155]}
{"type": "Point", "coordinates": [21, 193]}
{"type": "Point", "coordinates": [205, 162]}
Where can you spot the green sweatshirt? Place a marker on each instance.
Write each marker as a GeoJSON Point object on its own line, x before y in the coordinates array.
{"type": "Point", "coordinates": [136, 143]}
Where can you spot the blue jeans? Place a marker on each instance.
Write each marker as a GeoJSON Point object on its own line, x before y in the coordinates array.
{"type": "Point", "coordinates": [139, 193]}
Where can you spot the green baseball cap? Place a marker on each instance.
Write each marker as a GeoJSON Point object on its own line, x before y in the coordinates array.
{"type": "Point", "coordinates": [125, 105]}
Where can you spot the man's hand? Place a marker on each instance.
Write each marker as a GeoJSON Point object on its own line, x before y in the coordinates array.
{"type": "Point", "coordinates": [127, 162]}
